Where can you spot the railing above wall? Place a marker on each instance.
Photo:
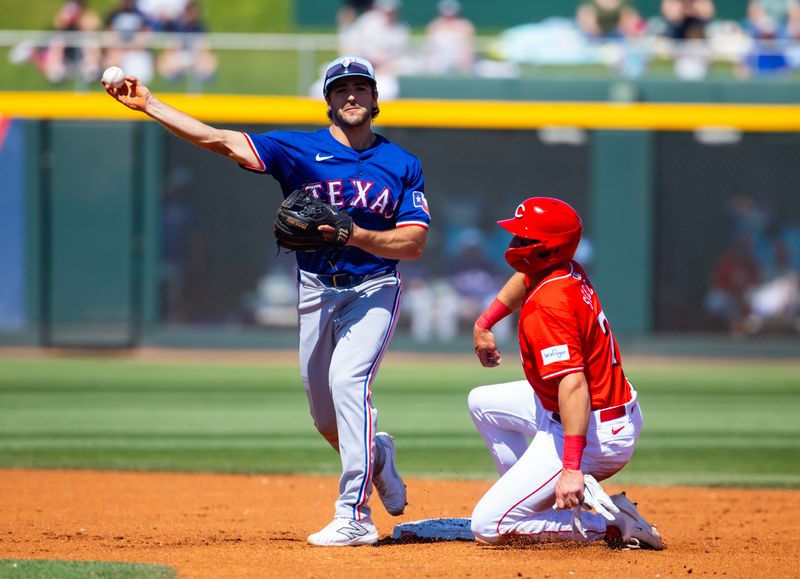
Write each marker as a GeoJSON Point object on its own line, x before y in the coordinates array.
{"type": "Point", "coordinates": [512, 54]}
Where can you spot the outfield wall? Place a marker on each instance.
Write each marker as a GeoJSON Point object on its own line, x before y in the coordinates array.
{"type": "Point", "coordinates": [118, 232]}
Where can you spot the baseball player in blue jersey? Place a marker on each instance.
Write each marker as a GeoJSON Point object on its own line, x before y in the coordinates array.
{"type": "Point", "coordinates": [348, 300]}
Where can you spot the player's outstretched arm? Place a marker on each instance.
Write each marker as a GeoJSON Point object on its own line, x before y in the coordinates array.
{"type": "Point", "coordinates": [231, 144]}
{"type": "Point", "coordinates": [508, 300]}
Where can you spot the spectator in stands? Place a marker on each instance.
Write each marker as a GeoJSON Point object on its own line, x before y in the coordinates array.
{"type": "Point", "coordinates": [687, 19]}
{"type": "Point", "coordinates": [609, 19]}
{"type": "Point", "coordinates": [431, 305]}
{"type": "Point", "coordinates": [733, 278]}
{"type": "Point", "coordinates": [614, 20]}
{"type": "Point", "coordinates": [350, 10]}
{"type": "Point", "coordinates": [474, 276]}
{"type": "Point", "coordinates": [129, 48]}
{"type": "Point", "coordinates": [775, 303]}
{"type": "Point", "coordinates": [767, 55]}
{"type": "Point", "coordinates": [449, 40]}
{"type": "Point", "coordinates": [379, 36]}
{"type": "Point", "coordinates": [64, 58]}
{"type": "Point", "coordinates": [190, 55]}
{"type": "Point", "coordinates": [774, 18]}
{"type": "Point", "coordinates": [161, 14]}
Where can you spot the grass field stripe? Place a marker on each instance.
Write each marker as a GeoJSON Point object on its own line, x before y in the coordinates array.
{"type": "Point", "coordinates": [203, 411]}
{"type": "Point", "coordinates": [478, 114]}
{"type": "Point", "coordinates": [362, 495]}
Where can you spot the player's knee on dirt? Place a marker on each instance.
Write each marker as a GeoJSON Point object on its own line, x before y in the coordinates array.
{"type": "Point", "coordinates": [484, 525]}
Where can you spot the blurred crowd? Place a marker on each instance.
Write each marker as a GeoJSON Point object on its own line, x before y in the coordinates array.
{"type": "Point", "coordinates": [127, 29]}
{"type": "Point", "coordinates": [441, 301]}
{"type": "Point", "coordinates": [686, 35]}
{"type": "Point", "coordinates": [609, 33]}
{"type": "Point", "coordinates": [754, 286]}
{"type": "Point", "coordinates": [376, 31]}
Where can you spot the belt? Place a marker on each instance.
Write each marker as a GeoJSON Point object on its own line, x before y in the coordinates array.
{"type": "Point", "coordinates": [346, 280]}
{"type": "Point", "coordinates": [605, 415]}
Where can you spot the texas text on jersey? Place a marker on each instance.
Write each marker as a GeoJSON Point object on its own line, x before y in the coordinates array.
{"type": "Point", "coordinates": [381, 187]}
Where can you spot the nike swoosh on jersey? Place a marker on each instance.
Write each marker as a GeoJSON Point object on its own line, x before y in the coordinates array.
{"type": "Point", "coordinates": [323, 157]}
{"type": "Point", "coordinates": [617, 430]}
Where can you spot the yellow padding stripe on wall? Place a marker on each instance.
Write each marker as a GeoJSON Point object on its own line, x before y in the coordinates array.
{"type": "Point", "coordinates": [419, 113]}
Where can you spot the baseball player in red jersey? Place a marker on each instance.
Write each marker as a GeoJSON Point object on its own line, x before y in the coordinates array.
{"type": "Point", "coordinates": [576, 405]}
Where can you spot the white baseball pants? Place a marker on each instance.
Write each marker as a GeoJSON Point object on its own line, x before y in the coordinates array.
{"type": "Point", "coordinates": [521, 502]}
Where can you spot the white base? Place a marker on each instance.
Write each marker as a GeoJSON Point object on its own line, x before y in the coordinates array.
{"type": "Point", "coordinates": [455, 529]}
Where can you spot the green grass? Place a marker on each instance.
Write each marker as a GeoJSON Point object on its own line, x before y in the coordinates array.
{"type": "Point", "coordinates": [47, 569]}
{"type": "Point", "coordinates": [704, 424]}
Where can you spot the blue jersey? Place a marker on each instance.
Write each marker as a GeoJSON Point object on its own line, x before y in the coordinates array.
{"type": "Point", "coordinates": [381, 188]}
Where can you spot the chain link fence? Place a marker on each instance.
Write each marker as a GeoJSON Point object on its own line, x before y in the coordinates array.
{"type": "Point", "coordinates": [728, 239]}
{"type": "Point", "coordinates": [222, 264]}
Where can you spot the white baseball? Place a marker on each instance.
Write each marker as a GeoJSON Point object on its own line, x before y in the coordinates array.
{"type": "Point", "coordinates": [114, 76]}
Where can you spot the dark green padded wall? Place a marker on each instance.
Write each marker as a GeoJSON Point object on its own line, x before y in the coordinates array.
{"type": "Point", "coordinates": [621, 222]}
{"type": "Point", "coordinates": [90, 232]}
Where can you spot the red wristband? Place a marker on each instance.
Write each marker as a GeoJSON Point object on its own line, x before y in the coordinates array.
{"type": "Point", "coordinates": [573, 451]}
{"type": "Point", "coordinates": [496, 311]}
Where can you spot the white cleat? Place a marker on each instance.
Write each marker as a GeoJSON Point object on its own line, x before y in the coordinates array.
{"type": "Point", "coordinates": [343, 532]}
{"type": "Point", "coordinates": [391, 488]}
{"type": "Point", "coordinates": [634, 531]}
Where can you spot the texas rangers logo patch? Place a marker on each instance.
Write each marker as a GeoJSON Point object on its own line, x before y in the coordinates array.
{"type": "Point", "coordinates": [420, 202]}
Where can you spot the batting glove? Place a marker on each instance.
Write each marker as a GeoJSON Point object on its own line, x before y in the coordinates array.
{"type": "Point", "coordinates": [594, 497]}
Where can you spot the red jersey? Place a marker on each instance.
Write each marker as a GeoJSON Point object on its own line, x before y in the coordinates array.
{"type": "Point", "coordinates": [562, 329]}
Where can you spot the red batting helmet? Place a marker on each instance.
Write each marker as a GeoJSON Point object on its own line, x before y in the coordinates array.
{"type": "Point", "coordinates": [550, 229]}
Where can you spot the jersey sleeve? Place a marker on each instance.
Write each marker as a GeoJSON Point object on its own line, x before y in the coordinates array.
{"type": "Point", "coordinates": [271, 156]}
{"type": "Point", "coordinates": [413, 206]}
{"type": "Point", "coordinates": [553, 337]}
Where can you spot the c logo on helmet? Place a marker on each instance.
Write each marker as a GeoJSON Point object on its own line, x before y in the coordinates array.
{"type": "Point", "coordinates": [520, 211]}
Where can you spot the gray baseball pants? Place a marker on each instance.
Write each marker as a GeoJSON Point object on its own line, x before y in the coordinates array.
{"type": "Point", "coordinates": [344, 334]}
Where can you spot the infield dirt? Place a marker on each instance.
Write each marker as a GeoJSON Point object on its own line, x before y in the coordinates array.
{"type": "Point", "coordinates": [255, 526]}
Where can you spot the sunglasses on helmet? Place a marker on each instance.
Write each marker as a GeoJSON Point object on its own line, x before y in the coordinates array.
{"type": "Point", "coordinates": [339, 69]}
